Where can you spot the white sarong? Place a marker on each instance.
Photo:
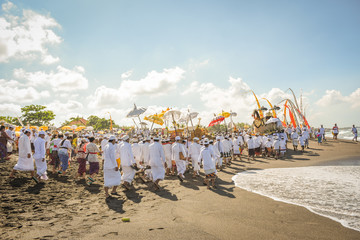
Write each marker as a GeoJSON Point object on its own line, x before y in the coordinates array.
{"type": "Point", "coordinates": [195, 163]}
{"type": "Point", "coordinates": [158, 173]}
{"type": "Point", "coordinates": [41, 167]}
{"type": "Point", "coordinates": [111, 178]}
{"type": "Point", "coordinates": [128, 174]}
{"type": "Point", "coordinates": [181, 166]}
{"type": "Point", "coordinates": [24, 164]}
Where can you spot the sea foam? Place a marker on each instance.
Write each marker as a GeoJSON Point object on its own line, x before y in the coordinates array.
{"type": "Point", "coordinates": [330, 191]}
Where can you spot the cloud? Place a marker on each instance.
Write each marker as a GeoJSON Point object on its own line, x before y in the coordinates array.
{"type": "Point", "coordinates": [10, 109]}
{"type": "Point", "coordinates": [48, 59]}
{"type": "Point", "coordinates": [10, 91]}
{"type": "Point", "coordinates": [27, 36]}
{"type": "Point", "coordinates": [126, 74]}
{"type": "Point", "coordinates": [62, 79]}
{"type": "Point", "coordinates": [154, 84]}
{"type": "Point", "coordinates": [7, 6]}
{"type": "Point", "coordinates": [334, 97]}
{"type": "Point", "coordinates": [65, 110]}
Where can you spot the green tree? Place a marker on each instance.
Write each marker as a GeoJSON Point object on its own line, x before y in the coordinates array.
{"type": "Point", "coordinates": [36, 115]}
{"type": "Point", "coordinates": [100, 123]}
{"type": "Point", "coordinates": [11, 120]}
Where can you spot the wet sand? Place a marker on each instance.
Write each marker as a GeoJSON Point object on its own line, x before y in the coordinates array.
{"type": "Point", "coordinates": [62, 208]}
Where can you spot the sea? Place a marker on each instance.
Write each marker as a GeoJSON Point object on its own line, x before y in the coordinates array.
{"type": "Point", "coordinates": [331, 191]}
{"type": "Point", "coordinates": [344, 133]}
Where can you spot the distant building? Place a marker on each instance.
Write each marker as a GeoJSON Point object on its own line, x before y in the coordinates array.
{"type": "Point", "coordinates": [78, 122]}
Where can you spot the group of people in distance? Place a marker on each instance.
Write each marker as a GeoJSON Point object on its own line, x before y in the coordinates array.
{"type": "Point", "coordinates": [150, 158]}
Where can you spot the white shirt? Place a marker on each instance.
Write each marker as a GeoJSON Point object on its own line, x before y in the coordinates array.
{"type": "Point", "coordinates": [251, 143]}
{"type": "Point", "coordinates": [207, 158]}
{"type": "Point", "coordinates": [167, 150]}
{"type": "Point", "coordinates": [157, 155]}
{"type": "Point", "coordinates": [136, 149]}
{"type": "Point", "coordinates": [40, 150]}
{"type": "Point", "coordinates": [194, 150]}
{"type": "Point", "coordinates": [176, 149]}
{"type": "Point", "coordinates": [109, 159]}
{"type": "Point", "coordinates": [126, 155]}
{"type": "Point", "coordinates": [24, 146]}
{"type": "Point", "coordinates": [145, 155]}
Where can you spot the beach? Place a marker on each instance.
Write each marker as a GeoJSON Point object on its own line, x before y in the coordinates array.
{"type": "Point", "coordinates": [62, 208]}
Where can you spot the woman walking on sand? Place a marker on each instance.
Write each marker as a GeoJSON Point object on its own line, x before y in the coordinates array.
{"type": "Point", "coordinates": [81, 158]}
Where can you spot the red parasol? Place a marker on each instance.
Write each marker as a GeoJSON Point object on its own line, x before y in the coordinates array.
{"type": "Point", "coordinates": [216, 121]}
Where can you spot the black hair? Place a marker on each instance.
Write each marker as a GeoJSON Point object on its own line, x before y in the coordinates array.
{"type": "Point", "coordinates": [91, 139]}
{"type": "Point", "coordinates": [2, 128]}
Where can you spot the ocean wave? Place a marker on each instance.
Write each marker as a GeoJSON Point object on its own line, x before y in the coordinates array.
{"type": "Point", "coordinates": [330, 191]}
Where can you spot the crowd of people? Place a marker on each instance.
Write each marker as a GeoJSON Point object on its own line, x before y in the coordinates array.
{"type": "Point", "coordinates": [149, 157]}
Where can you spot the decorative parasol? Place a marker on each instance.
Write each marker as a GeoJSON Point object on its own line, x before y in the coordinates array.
{"type": "Point", "coordinates": [44, 128]}
{"type": "Point", "coordinates": [154, 119]}
{"type": "Point", "coordinates": [136, 112]}
{"type": "Point", "coordinates": [173, 115]}
{"type": "Point", "coordinates": [66, 128]}
{"type": "Point", "coordinates": [89, 128]}
{"type": "Point", "coordinates": [216, 121]}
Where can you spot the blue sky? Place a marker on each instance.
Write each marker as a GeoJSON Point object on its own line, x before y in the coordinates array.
{"type": "Point", "coordinates": [308, 45]}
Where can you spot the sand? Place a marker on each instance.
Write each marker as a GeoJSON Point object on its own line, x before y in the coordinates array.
{"type": "Point", "coordinates": [62, 208]}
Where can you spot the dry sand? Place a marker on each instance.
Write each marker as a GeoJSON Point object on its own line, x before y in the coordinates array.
{"type": "Point", "coordinates": [62, 208]}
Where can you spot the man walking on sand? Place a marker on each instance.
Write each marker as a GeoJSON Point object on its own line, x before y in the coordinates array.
{"type": "Point", "coordinates": [25, 161]}
{"type": "Point", "coordinates": [355, 132]}
{"type": "Point", "coordinates": [39, 156]}
{"type": "Point", "coordinates": [112, 176]}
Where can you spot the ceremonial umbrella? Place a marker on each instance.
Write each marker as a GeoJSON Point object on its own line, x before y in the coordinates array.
{"type": "Point", "coordinates": [190, 116]}
{"type": "Point", "coordinates": [89, 128]}
{"type": "Point", "coordinates": [174, 115]}
{"type": "Point", "coordinates": [66, 128]}
{"type": "Point", "coordinates": [136, 112]}
{"type": "Point", "coordinates": [154, 119]}
{"type": "Point", "coordinates": [44, 128]}
{"type": "Point", "coordinates": [216, 121]}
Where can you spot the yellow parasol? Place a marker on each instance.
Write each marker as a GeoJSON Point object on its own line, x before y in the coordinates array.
{"type": "Point", "coordinates": [161, 115]}
{"type": "Point", "coordinates": [79, 128]}
{"type": "Point", "coordinates": [44, 128]}
{"type": "Point", "coordinates": [225, 114]}
{"type": "Point", "coordinates": [154, 119]}
{"type": "Point", "coordinates": [18, 128]}
{"type": "Point", "coordinates": [34, 127]}
{"type": "Point", "coordinates": [66, 128]}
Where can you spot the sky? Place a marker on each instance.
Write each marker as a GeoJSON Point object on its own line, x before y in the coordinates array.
{"type": "Point", "coordinates": [82, 58]}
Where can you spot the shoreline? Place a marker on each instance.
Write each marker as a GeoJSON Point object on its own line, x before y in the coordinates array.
{"type": "Point", "coordinates": [64, 208]}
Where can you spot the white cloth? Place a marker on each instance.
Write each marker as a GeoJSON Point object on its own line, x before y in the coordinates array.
{"type": "Point", "coordinates": [157, 155]}
{"type": "Point", "coordinates": [128, 174]}
{"type": "Point", "coordinates": [180, 164]}
{"type": "Point", "coordinates": [158, 173]}
{"type": "Point", "coordinates": [111, 178]}
{"type": "Point", "coordinates": [40, 150]}
{"type": "Point", "coordinates": [110, 160]}
{"type": "Point", "coordinates": [24, 163]}
{"type": "Point", "coordinates": [276, 144]}
{"type": "Point", "coordinates": [207, 157]}
{"type": "Point", "coordinates": [194, 152]}
{"type": "Point", "coordinates": [251, 143]}
{"type": "Point", "coordinates": [145, 155]}
{"type": "Point", "coordinates": [126, 154]}
{"type": "Point", "coordinates": [41, 166]}
{"type": "Point", "coordinates": [167, 151]}
{"type": "Point", "coordinates": [136, 149]}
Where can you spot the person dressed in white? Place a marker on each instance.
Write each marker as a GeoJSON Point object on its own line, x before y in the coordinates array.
{"type": "Point", "coordinates": [145, 158]}
{"type": "Point", "coordinates": [294, 137]}
{"type": "Point", "coordinates": [167, 150]}
{"type": "Point", "coordinates": [206, 157]}
{"type": "Point", "coordinates": [157, 162]}
{"type": "Point", "coordinates": [10, 144]}
{"type": "Point", "coordinates": [112, 176]}
{"type": "Point", "coordinates": [136, 149]}
{"type": "Point", "coordinates": [219, 152]}
{"type": "Point", "coordinates": [39, 156]}
{"type": "Point", "coordinates": [25, 161]}
{"type": "Point", "coordinates": [251, 147]}
{"type": "Point", "coordinates": [128, 163]}
{"type": "Point", "coordinates": [64, 148]}
{"type": "Point", "coordinates": [194, 152]}
{"type": "Point", "coordinates": [178, 148]}
{"type": "Point", "coordinates": [355, 132]}
{"type": "Point", "coordinates": [103, 143]}
{"type": "Point", "coordinates": [276, 147]}
{"type": "Point", "coordinates": [236, 147]}
{"type": "Point", "coordinates": [282, 146]}
{"type": "Point", "coordinates": [301, 140]}
{"type": "Point", "coordinates": [306, 136]}
{"type": "Point", "coordinates": [322, 132]}
{"type": "Point", "coordinates": [268, 145]}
